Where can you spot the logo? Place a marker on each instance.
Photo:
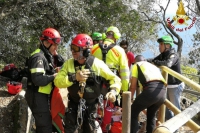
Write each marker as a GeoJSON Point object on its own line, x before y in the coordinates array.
{"type": "Point", "coordinates": [79, 42]}
{"type": "Point", "coordinates": [181, 19]}
{"type": "Point", "coordinates": [40, 62]}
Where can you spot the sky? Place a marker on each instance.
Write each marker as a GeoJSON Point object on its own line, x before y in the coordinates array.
{"type": "Point", "coordinates": [187, 35]}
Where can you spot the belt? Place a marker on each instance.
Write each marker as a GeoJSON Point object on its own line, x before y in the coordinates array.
{"type": "Point", "coordinates": [154, 82]}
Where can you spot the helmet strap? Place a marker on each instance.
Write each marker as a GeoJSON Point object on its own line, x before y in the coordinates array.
{"type": "Point", "coordinates": [49, 47]}
{"type": "Point", "coordinates": [44, 47]}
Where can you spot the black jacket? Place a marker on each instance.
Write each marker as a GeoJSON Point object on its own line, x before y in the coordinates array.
{"type": "Point", "coordinates": [170, 59]}
{"type": "Point", "coordinates": [40, 60]}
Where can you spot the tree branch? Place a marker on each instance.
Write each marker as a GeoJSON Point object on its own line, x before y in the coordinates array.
{"type": "Point", "coordinates": [198, 5]}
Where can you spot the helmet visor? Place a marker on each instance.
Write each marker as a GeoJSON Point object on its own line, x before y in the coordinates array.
{"type": "Point", "coordinates": [75, 48]}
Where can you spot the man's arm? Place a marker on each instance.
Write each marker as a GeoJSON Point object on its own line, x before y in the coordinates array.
{"type": "Point", "coordinates": [105, 72]}
{"type": "Point", "coordinates": [152, 59]}
{"type": "Point", "coordinates": [62, 79]}
{"type": "Point", "coordinates": [133, 86]}
{"type": "Point", "coordinates": [38, 74]}
{"type": "Point", "coordinates": [124, 71]}
{"type": "Point", "coordinates": [168, 62]}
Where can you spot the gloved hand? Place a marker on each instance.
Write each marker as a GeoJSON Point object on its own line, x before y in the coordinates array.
{"type": "Point", "coordinates": [82, 75]}
{"type": "Point", "coordinates": [111, 96]}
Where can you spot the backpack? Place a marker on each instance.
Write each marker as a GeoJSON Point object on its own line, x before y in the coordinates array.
{"type": "Point", "coordinates": [10, 71]}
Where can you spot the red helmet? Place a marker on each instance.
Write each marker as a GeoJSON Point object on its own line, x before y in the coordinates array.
{"type": "Point", "coordinates": [51, 35]}
{"type": "Point", "coordinates": [82, 40]}
{"type": "Point", "coordinates": [14, 87]}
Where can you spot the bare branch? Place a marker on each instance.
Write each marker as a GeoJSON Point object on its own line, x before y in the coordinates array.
{"type": "Point", "coordinates": [149, 19]}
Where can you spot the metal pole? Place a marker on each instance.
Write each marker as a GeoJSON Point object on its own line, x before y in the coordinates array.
{"type": "Point", "coordinates": [126, 113]}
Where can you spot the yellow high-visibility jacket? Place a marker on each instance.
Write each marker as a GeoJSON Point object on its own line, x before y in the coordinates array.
{"type": "Point", "coordinates": [99, 68]}
{"type": "Point", "coordinates": [150, 72]}
{"type": "Point", "coordinates": [115, 59]}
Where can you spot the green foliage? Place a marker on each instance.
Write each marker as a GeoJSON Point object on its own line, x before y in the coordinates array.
{"type": "Point", "coordinates": [194, 54]}
{"type": "Point", "coordinates": [21, 23]}
{"type": "Point", "coordinates": [190, 73]}
{"type": "Point", "coordinates": [1, 66]}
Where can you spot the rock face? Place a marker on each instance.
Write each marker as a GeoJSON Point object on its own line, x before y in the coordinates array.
{"type": "Point", "coordinates": [26, 120]}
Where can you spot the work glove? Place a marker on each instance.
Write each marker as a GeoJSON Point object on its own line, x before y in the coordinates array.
{"type": "Point", "coordinates": [82, 75]}
{"type": "Point", "coordinates": [111, 96]}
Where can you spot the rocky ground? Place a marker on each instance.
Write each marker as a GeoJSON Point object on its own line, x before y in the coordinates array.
{"type": "Point", "coordinates": [14, 112]}
{"type": "Point", "coordinates": [13, 116]}
{"type": "Point", "coordinates": [7, 103]}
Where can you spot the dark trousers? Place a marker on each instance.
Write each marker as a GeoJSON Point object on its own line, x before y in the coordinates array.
{"type": "Point", "coordinates": [39, 105]}
{"type": "Point", "coordinates": [151, 98]}
{"type": "Point", "coordinates": [88, 126]}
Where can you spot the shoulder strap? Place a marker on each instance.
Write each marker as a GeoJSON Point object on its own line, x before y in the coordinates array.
{"type": "Point", "coordinates": [89, 62]}
{"type": "Point", "coordinates": [105, 49]}
{"type": "Point", "coordinates": [141, 76]}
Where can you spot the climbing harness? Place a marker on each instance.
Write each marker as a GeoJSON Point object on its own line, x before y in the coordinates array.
{"type": "Point", "coordinates": [101, 108]}
{"type": "Point", "coordinates": [81, 109]}
{"type": "Point", "coordinates": [82, 102]}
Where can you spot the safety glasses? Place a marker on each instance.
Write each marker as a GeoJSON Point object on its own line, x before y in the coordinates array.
{"type": "Point", "coordinates": [56, 40]}
{"type": "Point", "coordinates": [75, 48]}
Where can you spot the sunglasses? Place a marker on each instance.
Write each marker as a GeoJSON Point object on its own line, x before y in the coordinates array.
{"type": "Point", "coordinates": [75, 48]}
{"type": "Point", "coordinates": [124, 47]}
{"type": "Point", "coordinates": [109, 34]}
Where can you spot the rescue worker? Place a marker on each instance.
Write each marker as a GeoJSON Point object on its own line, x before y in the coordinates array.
{"type": "Point", "coordinates": [97, 38]}
{"type": "Point", "coordinates": [115, 57]}
{"type": "Point", "coordinates": [124, 44]}
{"type": "Point", "coordinates": [169, 57]}
{"type": "Point", "coordinates": [153, 94]}
{"type": "Point", "coordinates": [83, 75]}
{"type": "Point", "coordinates": [41, 73]}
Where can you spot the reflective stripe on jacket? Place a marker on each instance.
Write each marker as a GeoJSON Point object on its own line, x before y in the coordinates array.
{"type": "Point", "coordinates": [41, 72]}
{"type": "Point", "coordinates": [115, 59]}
